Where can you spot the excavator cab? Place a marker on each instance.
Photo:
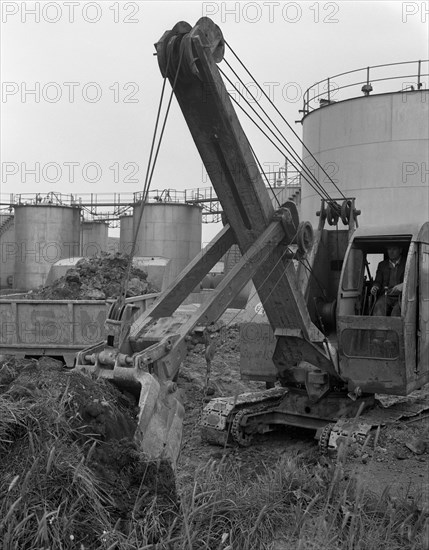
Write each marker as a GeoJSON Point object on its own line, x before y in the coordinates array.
{"type": "Point", "coordinates": [384, 354]}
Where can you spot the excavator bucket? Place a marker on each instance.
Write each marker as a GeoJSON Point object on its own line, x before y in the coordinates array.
{"type": "Point", "coordinates": [159, 422]}
{"type": "Point", "coordinates": [161, 412]}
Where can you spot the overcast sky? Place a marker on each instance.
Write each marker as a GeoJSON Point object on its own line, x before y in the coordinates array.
{"type": "Point", "coordinates": [104, 51]}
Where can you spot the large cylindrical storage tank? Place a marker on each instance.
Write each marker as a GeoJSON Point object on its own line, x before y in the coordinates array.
{"type": "Point", "coordinates": [376, 148]}
{"type": "Point", "coordinates": [169, 230]}
{"type": "Point", "coordinates": [94, 237]}
{"type": "Point", "coordinates": [44, 234]}
{"type": "Point", "coordinates": [126, 234]}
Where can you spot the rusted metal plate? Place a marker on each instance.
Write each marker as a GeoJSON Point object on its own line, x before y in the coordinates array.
{"type": "Point", "coordinates": [372, 353]}
{"type": "Point", "coordinates": [257, 345]}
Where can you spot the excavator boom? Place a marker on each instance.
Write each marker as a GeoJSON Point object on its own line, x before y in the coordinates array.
{"type": "Point", "coordinates": [229, 161]}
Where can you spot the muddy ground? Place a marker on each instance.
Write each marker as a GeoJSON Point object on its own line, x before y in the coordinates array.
{"type": "Point", "coordinates": [102, 422]}
{"type": "Point", "coordinates": [400, 459]}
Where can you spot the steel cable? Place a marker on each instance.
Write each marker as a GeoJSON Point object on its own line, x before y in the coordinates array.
{"type": "Point", "coordinates": [327, 197]}
{"type": "Point", "coordinates": [284, 119]}
{"type": "Point", "coordinates": [150, 169]}
{"type": "Point", "coordinates": [288, 147]}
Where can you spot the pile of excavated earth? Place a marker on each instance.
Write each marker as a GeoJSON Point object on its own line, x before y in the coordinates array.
{"type": "Point", "coordinates": [97, 278]}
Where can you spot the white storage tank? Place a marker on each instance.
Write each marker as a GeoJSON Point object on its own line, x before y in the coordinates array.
{"type": "Point", "coordinates": [126, 234]}
{"type": "Point", "coordinates": [94, 238]}
{"type": "Point", "coordinates": [376, 148]}
{"type": "Point", "coordinates": [44, 234]}
{"type": "Point", "coordinates": [170, 230]}
{"type": "Point", "coordinates": [7, 251]}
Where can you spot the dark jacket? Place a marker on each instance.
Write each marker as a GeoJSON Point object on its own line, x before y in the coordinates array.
{"type": "Point", "coordinates": [388, 276]}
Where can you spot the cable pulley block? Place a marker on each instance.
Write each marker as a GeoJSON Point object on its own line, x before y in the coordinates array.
{"type": "Point", "coordinates": [177, 44]}
{"type": "Point", "coordinates": [333, 211]}
{"type": "Point", "coordinates": [304, 237]}
{"type": "Point", "coordinates": [346, 210]}
{"type": "Point", "coordinates": [213, 37]}
{"type": "Point", "coordinates": [165, 48]}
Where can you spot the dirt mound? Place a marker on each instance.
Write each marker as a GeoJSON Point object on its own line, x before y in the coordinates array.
{"type": "Point", "coordinates": [96, 278]}
{"type": "Point", "coordinates": [70, 470]}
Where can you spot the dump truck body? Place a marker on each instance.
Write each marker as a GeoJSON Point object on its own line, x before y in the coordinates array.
{"type": "Point", "coordinates": [56, 328]}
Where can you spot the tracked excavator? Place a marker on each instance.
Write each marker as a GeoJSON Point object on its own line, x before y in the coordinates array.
{"type": "Point", "coordinates": [317, 348]}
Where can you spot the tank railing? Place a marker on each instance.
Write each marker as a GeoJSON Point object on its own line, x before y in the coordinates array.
{"type": "Point", "coordinates": [110, 206]}
{"type": "Point", "coordinates": [282, 178]}
{"type": "Point", "coordinates": [105, 207]}
{"type": "Point", "coordinates": [51, 198]}
{"type": "Point", "coordinates": [162, 195]}
{"type": "Point", "coordinates": [368, 87]}
{"type": "Point", "coordinates": [116, 200]}
{"type": "Point", "coordinates": [331, 86]}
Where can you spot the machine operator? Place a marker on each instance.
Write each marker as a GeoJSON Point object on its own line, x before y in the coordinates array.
{"type": "Point", "coordinates": [388, 283]}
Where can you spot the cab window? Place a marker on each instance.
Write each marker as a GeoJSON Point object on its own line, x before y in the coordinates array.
{"type": "Point", "coordinates": [353, 273]}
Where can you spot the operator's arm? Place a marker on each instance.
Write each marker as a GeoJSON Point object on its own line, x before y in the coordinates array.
{"type": "Point", "coordinates": [378, 281]}
{"type": "Point", "coordinates": [397, 289]}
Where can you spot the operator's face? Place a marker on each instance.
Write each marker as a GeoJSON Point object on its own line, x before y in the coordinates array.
{"type": "Point", "coordinates": [393, 252]}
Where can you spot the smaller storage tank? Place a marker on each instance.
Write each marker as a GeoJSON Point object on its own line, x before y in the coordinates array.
{"type": "Point", "coordinates": [7, 251]}
{"type": "Point", "coordinates": [44, 234]}
{"type": "Point", "coordinates": [157, 269]}
{"type": "Point", "coordinates": [94, 235]}
{"type": "Point", "coordinates": [170, 230]}
{"type": "Point", "coordinates": [126, 234]}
